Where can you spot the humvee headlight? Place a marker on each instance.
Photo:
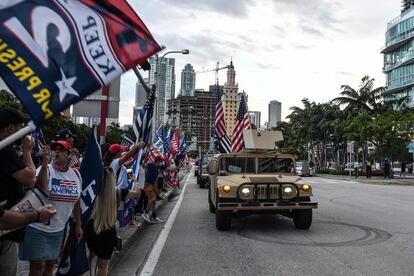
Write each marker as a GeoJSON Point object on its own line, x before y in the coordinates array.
{"type": "Point", "coordinates": [287, 191]}
{"type": "Point", "coordinates": [306, 187]}
{"type": "Point", "coordinates": [245, 192]}
{"type": "Point", "coordinates": [226, 188]}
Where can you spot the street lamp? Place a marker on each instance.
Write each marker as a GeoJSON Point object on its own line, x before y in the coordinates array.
{"type": "Point", "coordinates": [157, 81]}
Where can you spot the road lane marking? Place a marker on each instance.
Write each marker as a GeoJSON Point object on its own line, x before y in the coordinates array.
{"type": "Point", "coordinates": [156, 251]}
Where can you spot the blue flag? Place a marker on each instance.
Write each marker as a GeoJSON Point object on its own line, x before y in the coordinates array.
{"type": "Point", "coordinates": [167, 141]}
{"type": "Point", "coordinates": [91, 170]}
{"type": "Point", "coordinates": [54, 53]}
{"type": "Point", "coordinates": [126, 142]}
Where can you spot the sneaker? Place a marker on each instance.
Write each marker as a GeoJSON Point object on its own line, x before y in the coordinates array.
{"type": "Point", "coordinates": [157, 220]}
{"type": "Point", "coordinates": [133, 223]}
{"type": "Point", "coordinates": [147, 217]}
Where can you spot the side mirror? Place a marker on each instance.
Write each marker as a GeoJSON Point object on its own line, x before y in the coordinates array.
{"type": "Point", "coordinates": [212, 167]}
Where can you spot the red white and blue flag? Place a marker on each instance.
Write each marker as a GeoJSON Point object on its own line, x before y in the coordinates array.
{"type": "Point", "coordinates": [175, 144]}
{"type": "Point", "coordinates": [242, 122]}
{"type": "Point", "coordinates": [56, 52]}
{"type": "Point", "coordinates": [223, 143]}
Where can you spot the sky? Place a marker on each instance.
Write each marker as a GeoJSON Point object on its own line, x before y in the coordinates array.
{"type": "Point", "coordinates": [283, 50]}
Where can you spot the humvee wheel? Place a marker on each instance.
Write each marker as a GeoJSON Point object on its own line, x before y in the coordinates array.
{"type": "Point", "coordinates": [302, 218]}
{"type": "Point", "coordinates": [210, 204]}
{"type": "Point", "coordinates": [223, 220]}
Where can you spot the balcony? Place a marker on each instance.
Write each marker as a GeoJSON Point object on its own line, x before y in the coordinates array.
{"type": "Point", "coordinates": [397, 41]}
{"type": "Point", "coordinates": [407, 58]}
{"type": "Point", "coordinates": [400, 83]}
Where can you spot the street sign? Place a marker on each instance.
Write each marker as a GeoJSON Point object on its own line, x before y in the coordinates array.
{"type": "Point", "coordinates": [350, 147]}
{"type": "Point", "coordinates": [410, 148]}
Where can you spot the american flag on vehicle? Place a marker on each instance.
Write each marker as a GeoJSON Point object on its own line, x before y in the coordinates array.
{"type": "Point", "coordinates": [223, 143]}
{"type": "Point", "coordinates": [242, 122]}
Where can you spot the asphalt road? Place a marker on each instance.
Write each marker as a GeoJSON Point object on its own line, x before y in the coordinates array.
{"type": "Point", "coordinates": [358, 229]}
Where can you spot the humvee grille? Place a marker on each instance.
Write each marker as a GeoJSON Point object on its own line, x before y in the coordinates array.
{"type": "Point", "coordinates": [265, 192]}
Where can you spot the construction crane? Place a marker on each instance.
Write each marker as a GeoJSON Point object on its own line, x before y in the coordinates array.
{"type": "Point", "coordinates": [218, 68]}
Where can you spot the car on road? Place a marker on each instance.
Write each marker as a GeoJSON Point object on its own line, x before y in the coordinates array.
{"type": "Point", "coordinates": [202, 176]}
{"type": "Point", "coordinates": [303, 168]}
{"type": "Point", "coordinates": [258, 182]}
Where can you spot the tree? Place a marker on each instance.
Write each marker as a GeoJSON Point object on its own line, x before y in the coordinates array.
{"type": "Point", "coordinates": [365, 99]}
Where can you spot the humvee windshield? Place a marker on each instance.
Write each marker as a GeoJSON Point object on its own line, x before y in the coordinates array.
{"type": "Point", "coordinates": [276, 165]}
{"type": "Point", "coordinates": [238, 164]}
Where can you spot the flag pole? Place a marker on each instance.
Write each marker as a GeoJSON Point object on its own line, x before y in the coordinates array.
{"type": "Point", "coordinates": [17, 135]}
{"type": "Point", "coordinates": [141, 80]}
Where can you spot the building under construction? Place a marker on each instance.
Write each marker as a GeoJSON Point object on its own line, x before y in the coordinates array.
{"type": "Point", "coordinates": [194, 114]}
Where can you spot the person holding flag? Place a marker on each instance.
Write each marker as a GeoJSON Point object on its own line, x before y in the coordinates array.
{"type": "Point", "coordinates": [115, 158]}
{"type": "Point", "coordinates": [63, 185]}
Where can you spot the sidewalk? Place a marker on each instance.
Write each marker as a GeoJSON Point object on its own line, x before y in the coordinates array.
{"type": "Point", "coordinates": [126, 232]}
{"type": "Point", "coordinates": [378, 180]}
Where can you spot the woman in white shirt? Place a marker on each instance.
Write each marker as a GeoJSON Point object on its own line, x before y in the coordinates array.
{"type": "Point", "coordinates": [63, 185]}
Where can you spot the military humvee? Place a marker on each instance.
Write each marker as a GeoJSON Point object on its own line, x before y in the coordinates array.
{"type": "Point", "coordinates": [258, 180]}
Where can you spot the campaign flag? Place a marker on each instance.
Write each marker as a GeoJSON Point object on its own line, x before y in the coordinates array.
{"type": "Point", "coordinates": [54, 53]}
{"type": "Point", "coordinates": [37, 135]}
{"type": "Point", "coordinates": [125, 215]}
{"type": "Point", "coordinates": [158, 140]}
{"type": "Point", "coordinates": [175, 144]}
{"type": "Point", "coordinates": [223, 143]}
{"type": "Point", "coordinates": [242, 122]}
{"type": "Point", "coordinates": [91, 171]}
{"type": "Point", "coordinates": [126, 142]}
{"type": "Point", "coordinates": [167, 140]}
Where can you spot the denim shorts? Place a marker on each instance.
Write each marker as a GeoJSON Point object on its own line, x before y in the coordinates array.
{"type": "Point", "coordinates": [39, 245]}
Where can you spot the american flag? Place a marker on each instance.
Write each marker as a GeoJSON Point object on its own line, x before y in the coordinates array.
{"type": "Point", "coordinates": [143, 122]}
{"type": "Point", "coordinates": [175, 144]}
{"type": "Point", "coordinates": [126, 142]}
{"type": "Point", "coordinates": [223, 143]}
{"type": "Point", "coordinates": [153, 153]}
{"type": "Point", "coordinates": [242, 122]}
{"type": "Point", "coordinates": [142, 128]}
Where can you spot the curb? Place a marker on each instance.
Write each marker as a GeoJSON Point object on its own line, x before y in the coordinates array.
{"type": "Point", "coordinates": [408, 181]}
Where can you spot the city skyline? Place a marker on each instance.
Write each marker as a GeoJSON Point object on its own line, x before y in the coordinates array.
{"type": "Point", "coordinates": [280, 49]}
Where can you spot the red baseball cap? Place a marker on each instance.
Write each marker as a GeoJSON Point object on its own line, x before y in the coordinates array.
{"type": "Point", "coordinates": [114, 148]}
{"type": "Point", "coordinates": [63, 143]}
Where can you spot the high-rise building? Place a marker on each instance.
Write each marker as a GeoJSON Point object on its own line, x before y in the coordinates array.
{"type": "Point", "coordinates": [162, 74]}
{"type": "Point", "coordinates": [140, 99]}
{"type": "Point", "coordinates": [230, 99]}
{"type": "Point", "coordinates": [255, 118]}
{"type": "Point", "coordinates": [195, 114]}
{"type": "Point", "coordinates": [188, 81]}
{"type": "Point", "coordinates": [275, 113]}
{"type": "Point", "coordinates": [399, 57]}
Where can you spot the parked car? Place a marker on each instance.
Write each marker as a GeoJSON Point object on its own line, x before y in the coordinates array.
{"type": "Point", "coordinates": [202, 176]}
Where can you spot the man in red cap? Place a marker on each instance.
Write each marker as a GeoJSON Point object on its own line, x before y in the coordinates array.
{"type": "Point", "coordinates": [115, 158]}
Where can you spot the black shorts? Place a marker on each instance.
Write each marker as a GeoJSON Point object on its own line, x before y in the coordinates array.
{"type": "Point", "coordinates": [102, 245]}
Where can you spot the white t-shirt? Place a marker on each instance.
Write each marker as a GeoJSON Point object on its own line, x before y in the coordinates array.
{"type": "Point", "coordinates": [64, 191]}
{"type": "Point", "coordinates": [141, 177]}
{"type": "Point", "coordinates": [122, 180]}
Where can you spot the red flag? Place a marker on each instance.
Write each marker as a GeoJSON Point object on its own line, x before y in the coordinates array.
{"type": "Point", "coordinates": [175, 144]}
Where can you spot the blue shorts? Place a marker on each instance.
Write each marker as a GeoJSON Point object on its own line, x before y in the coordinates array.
{"type": "Point", "coordinates": [39, 245]}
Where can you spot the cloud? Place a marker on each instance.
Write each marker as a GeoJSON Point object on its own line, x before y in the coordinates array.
{"type": "Point", "coordinates": [322, 13]}
{"type": "Point", "coordinates": [232, 8]}
{"type": "Point", "coordinates": [311, 31]}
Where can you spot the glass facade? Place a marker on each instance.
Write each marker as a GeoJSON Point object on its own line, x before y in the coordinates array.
{"type": "Point", "coordinates": [399, 58]}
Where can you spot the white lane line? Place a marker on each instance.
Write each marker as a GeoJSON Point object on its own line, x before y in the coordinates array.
{"type": "Point", "coordinates": [156, 251]}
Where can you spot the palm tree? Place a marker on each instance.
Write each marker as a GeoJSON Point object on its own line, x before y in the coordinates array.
{"type": "Point", "coordinates": [365, 99]}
